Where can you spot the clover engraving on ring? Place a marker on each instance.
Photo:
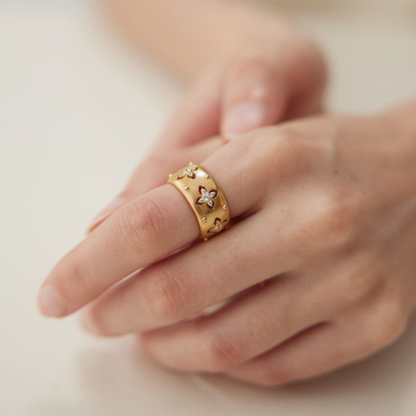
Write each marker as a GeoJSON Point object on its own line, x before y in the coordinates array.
{"type": "Point", "coordinates": [219, 226]}
{"type": "Point", "coordinates": [206, 197]}
{"type": "Point", "coordinates": [189, 172]}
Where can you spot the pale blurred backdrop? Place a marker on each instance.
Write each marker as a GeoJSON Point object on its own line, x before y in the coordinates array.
{"type": "Point", "coordinates": [79, 108]}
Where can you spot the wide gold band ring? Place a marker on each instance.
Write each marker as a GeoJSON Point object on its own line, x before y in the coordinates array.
{"type": "Point", "coordinates": [205, 198]}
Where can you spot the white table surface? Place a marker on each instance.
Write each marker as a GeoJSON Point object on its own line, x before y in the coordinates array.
{"type": "Point", "coordinates": [77, 112]}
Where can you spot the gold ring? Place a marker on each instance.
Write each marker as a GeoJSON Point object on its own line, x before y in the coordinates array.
{"type": "Point", "coordinates": [205, 198]}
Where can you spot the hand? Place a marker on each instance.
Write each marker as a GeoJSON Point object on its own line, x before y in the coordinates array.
{"type": "Point", "coordinates": [324, 212]}
{"type": "Point", "coordinates": [277, 76]}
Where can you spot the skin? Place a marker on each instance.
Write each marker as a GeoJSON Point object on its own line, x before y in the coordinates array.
{"type": "Point", "coordinates": [325, 212]}
{"type": "Point", "coordinates": [237, 58]}
{"type": "Point", "coordinates": [317, 270]}
{"type": "Point", "coordinates": [231, 54]}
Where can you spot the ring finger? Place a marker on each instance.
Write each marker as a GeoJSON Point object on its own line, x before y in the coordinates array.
{"type": "Point", "coordinates": [245, 328]}
{"type": "Point", "coordinates": [180, 286]}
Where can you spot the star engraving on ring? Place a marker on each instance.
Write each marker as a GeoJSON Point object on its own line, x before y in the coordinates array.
{"type": "Point", "coordinates": [206, 197]}
{"type": "Point", "coordinates": [189, 172]}
{"type": "Point", "coordinates": [219, 226]}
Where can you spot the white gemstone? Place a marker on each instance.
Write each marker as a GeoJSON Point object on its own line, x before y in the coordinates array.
{"type": "Point", "coordinates": [212, 194]}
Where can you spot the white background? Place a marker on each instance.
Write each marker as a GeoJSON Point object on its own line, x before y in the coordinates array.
{"type": "Point", "coordinates": [78, 110]}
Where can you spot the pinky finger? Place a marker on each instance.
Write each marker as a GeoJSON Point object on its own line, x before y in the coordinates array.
{"type": "Point", "coordinates": [312, 353]}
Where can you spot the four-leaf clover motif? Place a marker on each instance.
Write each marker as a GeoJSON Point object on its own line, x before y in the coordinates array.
{"type": "Point", "coordinates": [206, 197]}
{"type": "Point", "coordinates": [219, 226]}
{"type": "Point", "coordinates": [189, 172]}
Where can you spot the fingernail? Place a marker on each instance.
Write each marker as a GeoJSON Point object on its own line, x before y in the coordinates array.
{"type": "Point", "coordinates": [49, 302]}
{"type": "Point", "coordinates": [243, 118]}
{"type": "Point", "coordinates": [105, 213]}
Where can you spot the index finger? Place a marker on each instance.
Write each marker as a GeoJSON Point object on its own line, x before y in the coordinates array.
{"type": "Point", "coordinates": [138, 234]}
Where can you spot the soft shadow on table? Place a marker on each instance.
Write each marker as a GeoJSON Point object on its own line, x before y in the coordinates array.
{"type": "Point", "coordinates": [116, 378]}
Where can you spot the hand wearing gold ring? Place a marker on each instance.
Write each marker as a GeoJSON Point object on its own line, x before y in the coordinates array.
{"type": "Point", "coordinates": [323, 214]}
{"type": "Point", "coordinates": [273, 73]}
{"type": "Point", "coordinates": [205, 198]}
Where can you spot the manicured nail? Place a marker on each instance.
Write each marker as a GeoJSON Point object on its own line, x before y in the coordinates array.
{"type": "Point", "coordinates": [244, 117]}
{"type": "Point", "coordinates": [50, 303]}
{"type": "Point", "coordinates": [105, 213]}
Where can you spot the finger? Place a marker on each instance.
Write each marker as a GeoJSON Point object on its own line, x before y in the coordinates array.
{"type": "Point", "coordinates": [255, 94]}
{"type": "Point", "coordinates": [197, 118]}
{"type": "Point", "coordinates": [245, 328]}
{"type": "Point", "coordinates": [353, 336]}
{"type": "Point", "coordinates": [261, 91]}
{"type": "Point", "coordinates": [152, 173]}
{"type": "Point", "coordinates": [182, 285]}
{"type": "Point", "coordinates": [264, 247]}
{"type": "Point", "coordinates": [191, 281]}
{"type": "Point", "coordinates": [315, 351]}
{"type": "Point", "coordinates": [143, 231]}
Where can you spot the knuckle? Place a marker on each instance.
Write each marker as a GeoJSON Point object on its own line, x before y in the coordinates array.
{"type": "Point", "coordinates": [388, 321]}
{"type": "Point", "coordinates": [142, 225]}
{"type": "Point", "coordinates": [256, 66]}
{"type": "Point", "coordinates": [299, 144]}
{"type": "Point", "coordinates": [279, 147]}
{"type": "Point", "coordinates": [356, 283]}
{"type": "Point", "coordinates": [282, 152]}
{"type": "Point", "coordinates": [282, 141]}
{"type": "Point", "coordinates": [291, 139]}
{"type": "Point", "coordinates": [289, 150]}
{"type": "Point", "coordinates": [271, 152]}
{"type": "Point", "coordinates": [217, 354]}
{"type": "Point", "coordinates": [166, 297]}
{"type": "Point", "coordinates": [334, 219]}
{"type": "Point", "coordinates": [337, 216]}
{"type": "Point", "coordinates": [359, 276]}
{"type": "Point", "coordinates": [313, 66]}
